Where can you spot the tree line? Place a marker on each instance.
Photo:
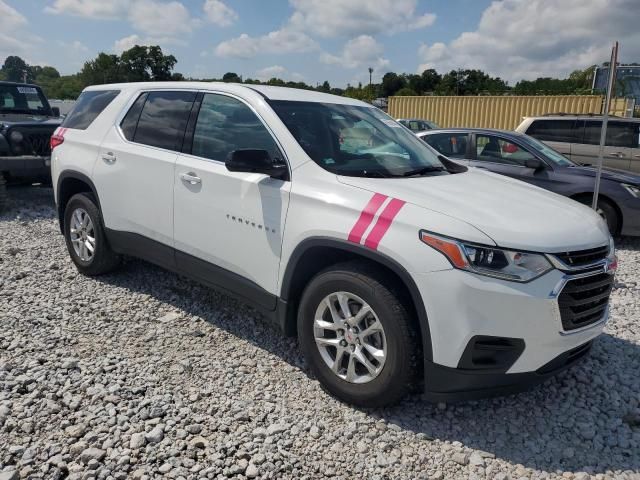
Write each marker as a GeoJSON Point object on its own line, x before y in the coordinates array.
{"type": "Point", "coordinates": [149, 63]}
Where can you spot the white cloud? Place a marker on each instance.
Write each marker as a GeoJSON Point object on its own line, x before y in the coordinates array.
{"type": "Point", "coordinates": [126, 43]}
{"type": "Point", "coordinates": [14, 38]}
{"type": "Point", "coordinates": [161, 21]}
{"type": "Point", "coordinates": [218, 13]}
{"type": "Point", "coordinates": [330, 18]}
{"type": "Point", "coordinates": [362, 51]}
{"type": "Point", "coordinates": [270, 72]}
{"type": "Point", "coordinates": [89, 8]}
{"type": "Point", "coordinates": [278, 71]}
{"type": "Point", "coordinates": [518, 39]}
{"type": "Point", "coordinates": [280, 41]}
{"type": "Point", "coordinates": [164, 19]}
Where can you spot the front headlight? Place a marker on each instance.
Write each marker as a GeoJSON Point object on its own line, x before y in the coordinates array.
{"type": "Point", "coordinates": [490, 261]}
{"type": "Point", "coordinates": [632, 189]}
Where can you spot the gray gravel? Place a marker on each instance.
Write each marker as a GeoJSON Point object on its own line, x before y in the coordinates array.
{"type": "Point", "coordinates": [144, 374]}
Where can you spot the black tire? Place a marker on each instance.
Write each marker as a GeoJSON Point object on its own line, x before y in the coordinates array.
{"type": "Point", "coordinates": [4, 196]}
{"type": "Point", "coordinates": [607, 211]}
{"type": "Point", "coordinates": [104, 260]}
{"type": "Point", "coordinates": [403, 357]}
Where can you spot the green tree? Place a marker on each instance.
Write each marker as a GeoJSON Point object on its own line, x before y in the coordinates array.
{"type": "Point", "coordinates": [104, 68]}
{"type": "Point", "coordinates": [406, 92]}
{"type": "Point", "coordinates": [15, 69]}
{"type": "Point", "coordinates": [231, 77]}
{"type": "Point", "coordinates": [391, 83]}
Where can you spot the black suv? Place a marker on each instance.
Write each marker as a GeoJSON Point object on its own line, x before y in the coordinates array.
{"type": "Point", "coordinates": [26, 124]}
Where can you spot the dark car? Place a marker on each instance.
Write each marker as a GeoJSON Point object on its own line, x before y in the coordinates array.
{"type": "Point", "coordinates": [523, 157]}
{"type": "Point", "coordinates": [26, 124]}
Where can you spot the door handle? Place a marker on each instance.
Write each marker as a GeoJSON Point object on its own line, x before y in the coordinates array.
{"type": "Point", "coordinates": [109, 158]}
{"type": "Point", "coordinates": [616, 154]}
{"type": "Point", "coordinates": [636, 156]}
{"type": "Point", "coordinates": [190, 178]}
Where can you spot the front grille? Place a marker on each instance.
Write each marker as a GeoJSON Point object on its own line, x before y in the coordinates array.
{"type": "Point", "coordinates": [583, 301]}
{"type": "Point", "coordinates": [583, 257]}
{"type": "Point", "coordinates": [32, 142]}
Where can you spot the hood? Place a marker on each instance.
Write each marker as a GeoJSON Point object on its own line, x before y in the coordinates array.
{"type": "Point", "coordinates": [513, 214]}
{"type": "Point", "coordinates": [11, 119]}
{"type": "Point", "coordinates": [619, 176]}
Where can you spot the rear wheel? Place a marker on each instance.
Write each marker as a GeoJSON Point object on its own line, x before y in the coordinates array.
{"type": "Point", "coordinates": [607, 211]}
{"type": "Point", "coordinates": [85, 237]}
{"type": "Point", "coordinates": [357, 336]}
{"type": "Point", "coordinates": [4, 197]}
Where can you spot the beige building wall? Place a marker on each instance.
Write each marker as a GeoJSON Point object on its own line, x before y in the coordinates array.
{"type": "Point", "coordinates": [495, 112]}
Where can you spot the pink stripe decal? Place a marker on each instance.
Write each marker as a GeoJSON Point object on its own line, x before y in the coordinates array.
{"type": "Point", "coordinates": [366, 217]}
{"type": "Point", "coordinates": [384, 222]}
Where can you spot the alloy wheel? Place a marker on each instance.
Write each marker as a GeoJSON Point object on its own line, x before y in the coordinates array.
{"type": "Point", "coordinates": [350, 337]}
{"type": "Point", "coordinates": [82, 235]}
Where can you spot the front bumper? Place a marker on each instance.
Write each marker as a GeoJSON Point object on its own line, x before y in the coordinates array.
{"type": "Point", "coordinates": [26, 166]}
{"type": "Point", "coordinates": [462, 307]}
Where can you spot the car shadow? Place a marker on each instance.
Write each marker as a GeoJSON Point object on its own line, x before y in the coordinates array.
{"type": "Point", "coordinates": [581, 420]}
{"type": "Point", "coordinates": [549, 428]}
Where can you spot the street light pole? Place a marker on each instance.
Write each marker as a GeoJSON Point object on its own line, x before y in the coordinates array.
{"type": "Point", "coordinates": [370, 73]}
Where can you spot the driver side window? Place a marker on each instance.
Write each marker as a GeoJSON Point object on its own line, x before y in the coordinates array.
{"type": "Point", "coordinates": [494, 149]}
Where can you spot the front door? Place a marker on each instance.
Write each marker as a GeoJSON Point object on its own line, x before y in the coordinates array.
{"type": "Point", "coordinates": [228, 226]}
{"type": "Point", "coordinates": [505, 157]}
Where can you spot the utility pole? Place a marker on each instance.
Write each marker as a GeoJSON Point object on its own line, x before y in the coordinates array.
{"type": "Point", "coordinates": [605, 120]}
{"type": "Point", "coordinates": [370, 89]}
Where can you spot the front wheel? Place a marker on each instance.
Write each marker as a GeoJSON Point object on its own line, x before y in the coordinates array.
{"type": "Point", "coordinates": [357, 336]}
{"type": "Point", "coordinates": [607, 211]}
{"type": "Point", "coordinates": [4, 197]}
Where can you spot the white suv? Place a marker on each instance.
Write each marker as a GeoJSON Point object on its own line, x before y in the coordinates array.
{"type": "Point", "coordinates": [395, 267]}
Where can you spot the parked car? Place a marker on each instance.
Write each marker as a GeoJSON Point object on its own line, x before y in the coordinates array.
{"type": "Point", "coordinates": [417, 125]}
{"type": "Point", "coordinates": [524, 158]}
{"type": "Point", "coordinates": [578, 138]}
{"type": "Point", "coordinates": [26, 124]}
{"type": "Point", "coordinates": [395, 269]}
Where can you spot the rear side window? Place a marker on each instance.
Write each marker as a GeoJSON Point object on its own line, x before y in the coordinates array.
{"type": "Point", "coordinates": [163, 119]}
{"type": "Point", "coordinates": [554, 130]}
{"type": "Point", "coordinates": [619, 134]}
{"type": "Point", "coordinates": [130, 121]}
{"type": "Point", "coordinates": [225, 124]}
{"type": "Point", "coordinates": [453, 145]}
{"type": "Point", "coordinates": [88, 107]}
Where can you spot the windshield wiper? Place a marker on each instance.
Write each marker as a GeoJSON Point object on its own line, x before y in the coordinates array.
{"type": "Point", "coordinates": [423, 170]}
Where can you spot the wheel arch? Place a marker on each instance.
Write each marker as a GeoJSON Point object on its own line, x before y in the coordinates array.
{"type": "Point", "coordinates": [70, 183]}
{"type": "Point", "coordinates": [589, 195]}
{"type": "Point", "coordinates": [314, 254]}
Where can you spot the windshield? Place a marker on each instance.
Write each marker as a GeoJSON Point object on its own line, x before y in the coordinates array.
{"type": "Point", "coordinates": [357, 141]}
{"type": "Point", "coordinates": [556, 157]}
{"type": "Point", "coordinates": [23, 99]}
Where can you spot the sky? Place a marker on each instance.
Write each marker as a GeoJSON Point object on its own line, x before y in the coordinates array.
{"type": "Point", "coordinates": [334, 40]}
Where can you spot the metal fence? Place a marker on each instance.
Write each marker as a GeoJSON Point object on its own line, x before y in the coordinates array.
{"type": "Point", "coordinates": [497, 112]}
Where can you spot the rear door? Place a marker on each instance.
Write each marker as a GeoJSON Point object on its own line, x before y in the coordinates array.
{"type": "Point", "coordinates": [453, 145]}
{"type": "Point", "coordinates": [135, 169]}
{"type": "Point", "coordinates": [557, 133]}
{"type": "Point", "coordinates": [229, 225]}
{"type": "Point", "coordinates": [617, 150]}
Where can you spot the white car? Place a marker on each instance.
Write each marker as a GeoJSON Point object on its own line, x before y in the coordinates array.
{"type": "Point", "coordinates": [396, 269]}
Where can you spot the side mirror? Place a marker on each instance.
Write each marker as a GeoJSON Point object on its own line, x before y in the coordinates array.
{"type": "Point", "coordinates": [55, 111]}
{"type": "Point", "coordinates": [255, 161]}
{"type": "Point", "coordinates": [534, 163]}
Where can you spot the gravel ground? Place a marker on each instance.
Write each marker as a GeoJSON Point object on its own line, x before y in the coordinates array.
{"type": "Point", "coordinates": [143, 374]}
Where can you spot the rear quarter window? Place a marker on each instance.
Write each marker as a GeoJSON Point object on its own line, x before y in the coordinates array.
{"type": "Point", "coordinates": [88, 107]}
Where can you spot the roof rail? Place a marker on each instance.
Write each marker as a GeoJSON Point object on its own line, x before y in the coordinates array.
{"type": "Point", "coordinates": [564, 114]}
